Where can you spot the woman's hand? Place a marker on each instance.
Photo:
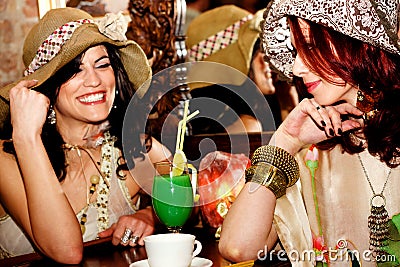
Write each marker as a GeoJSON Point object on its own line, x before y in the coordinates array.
{"type": "Point", "coordinates": [309, 123]}
{"type": "Point", "coordinates": [28, 109]}
{"type": "Point", "coordinates": [142, 224]}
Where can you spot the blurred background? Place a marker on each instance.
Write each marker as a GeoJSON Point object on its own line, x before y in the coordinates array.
{"type": "Point", "coordinates": [18, 16]}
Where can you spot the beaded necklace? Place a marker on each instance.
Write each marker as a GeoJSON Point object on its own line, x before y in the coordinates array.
{"type": "Point", "coordinates": [379, 218]}
{"type": "Point", "coordinates": [101, 182]}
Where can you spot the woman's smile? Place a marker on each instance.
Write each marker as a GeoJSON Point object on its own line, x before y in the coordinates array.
{"type": "Point", "coordinates": [92, 98]}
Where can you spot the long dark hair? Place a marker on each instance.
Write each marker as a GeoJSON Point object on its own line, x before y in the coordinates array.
{"type": "Point", "coordinates": [374, 70]}
{"type": "Point", "coordinates": [52, 139]}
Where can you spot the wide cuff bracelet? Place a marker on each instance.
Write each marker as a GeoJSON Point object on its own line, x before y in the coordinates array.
{"type": "Point", "coordinates": [280, 159]}
{"type": "Point", "coordinates": [269, 176]}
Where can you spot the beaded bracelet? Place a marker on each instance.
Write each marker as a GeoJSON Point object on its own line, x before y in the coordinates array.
{"type": "Point", "coordinates": [274, 168]}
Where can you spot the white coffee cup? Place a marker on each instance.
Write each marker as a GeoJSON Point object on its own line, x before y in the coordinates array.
{"type": "Point", "coordinates": [171, 250]}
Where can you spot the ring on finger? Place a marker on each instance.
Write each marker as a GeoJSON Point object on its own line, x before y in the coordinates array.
{"type": "Point", "coordinates": [127, 235]}
{"type": "Point", "coordinates": [134, 239]}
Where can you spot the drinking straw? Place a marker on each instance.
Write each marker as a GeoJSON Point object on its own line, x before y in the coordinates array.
{"type": "Point", "coordinates": [178, 136]}
{"type": "Point", "coordinates": [182, 126]}
{"type": "Point", "coordinates": [183, 130]}
{"type": "Point", "coordinates": [179, 141]}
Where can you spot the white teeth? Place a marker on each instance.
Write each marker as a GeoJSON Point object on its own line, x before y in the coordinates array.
{"type": "Point", "coordinates": [92, 98]}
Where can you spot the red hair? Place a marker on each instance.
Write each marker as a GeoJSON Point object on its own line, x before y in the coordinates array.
{"type": "Point", "coordinates": [330, 53]}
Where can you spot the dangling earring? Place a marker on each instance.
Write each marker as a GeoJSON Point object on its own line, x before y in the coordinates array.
{"type": "Point", "coordinates": [367, 103]}
{"type": "Point", "coordinates": [115, 98]}
{"type": "Point", "coordinates": [51, 117]}
{"type": "Point", "coordinates": [116, 94]}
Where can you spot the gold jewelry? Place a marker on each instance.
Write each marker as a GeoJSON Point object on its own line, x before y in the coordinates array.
{"type": "Point", "coordinates": [280, 159]}
{"type": "Point", "coordinates": [100, 182]}
{"type": "Point", "coordinates": [94, 180]}
{"type": "Point", "coordinates": [269, 176]}
{"type": "Point", "coordinates": [367, 103]}
{"type": "Point", "coordinates": [379, 218]}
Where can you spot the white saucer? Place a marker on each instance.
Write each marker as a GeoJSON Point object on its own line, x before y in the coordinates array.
{"type": "Point", "coordinates": [196, 262]}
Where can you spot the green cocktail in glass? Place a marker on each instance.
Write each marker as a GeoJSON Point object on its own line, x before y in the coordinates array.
{"type": "Point", "coordinates": [173, 200]}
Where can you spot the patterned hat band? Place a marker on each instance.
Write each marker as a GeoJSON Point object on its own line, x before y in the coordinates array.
{"type": "Point", "coordinates": [52, 45]}
{"type": "Point", "coordinates": [371, 21]}
{"type": "Point", "coordinates": [218, 41]}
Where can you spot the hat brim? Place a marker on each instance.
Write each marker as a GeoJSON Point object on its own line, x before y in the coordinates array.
{"type": "Point", "coordinates": [132, 57]}
{"type": "Point", "coordinates": [332, 14]}
{"type": "Point", "coordinates": [237, 55]}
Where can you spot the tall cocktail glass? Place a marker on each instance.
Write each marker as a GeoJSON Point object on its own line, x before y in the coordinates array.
{"type": "Point", "coordinates": [172, 195]}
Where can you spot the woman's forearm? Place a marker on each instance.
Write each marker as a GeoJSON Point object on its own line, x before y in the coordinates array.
{"type": "Point", "coordinates": [247, 227]}
{"type": "Point", "coordinates": [54, 226]}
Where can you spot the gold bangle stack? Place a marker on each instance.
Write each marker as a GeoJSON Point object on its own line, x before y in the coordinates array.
{"type": "Point", "coordinates": [274, 168]}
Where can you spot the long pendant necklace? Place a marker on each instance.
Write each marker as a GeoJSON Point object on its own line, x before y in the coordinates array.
{"type": "Point", "coordinates": [101, 181]}
{"type": "Point", "coordinates": [94, 180]}
{"type": "Point", "coordinates": [378, 218]}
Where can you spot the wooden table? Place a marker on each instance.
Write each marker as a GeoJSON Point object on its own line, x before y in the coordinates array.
{"type": "Point", "coordinates": [103, 254]}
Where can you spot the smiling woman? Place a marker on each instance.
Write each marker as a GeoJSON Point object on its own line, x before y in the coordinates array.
{"type": "Point", "coordinates": [62, 158]}
{"type": "Point", "coordinates": [90, 93]}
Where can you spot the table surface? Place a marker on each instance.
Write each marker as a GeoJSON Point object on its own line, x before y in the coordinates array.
{"type": "Point", "coordinates": [103, 253]}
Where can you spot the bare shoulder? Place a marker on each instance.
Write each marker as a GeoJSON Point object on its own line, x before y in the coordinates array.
{"type": "Point", "coordinates": [158, 151]}
{"type": "Point", "coordinates": [246, 123]}
{"type": "Point", "coordinates": [143, 171]}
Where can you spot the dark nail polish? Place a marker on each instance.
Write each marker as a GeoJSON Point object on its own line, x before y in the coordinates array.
{"type": "Point", "coordinates": [331, 132]}
{"type": "Point", "coordinates": [323, 123]}
{"type": "Point", "coordinates": [340, 132]}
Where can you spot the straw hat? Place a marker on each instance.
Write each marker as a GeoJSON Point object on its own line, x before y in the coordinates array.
{"type": "Point", "coordinates": [371, 21]}
{"type": "Point", "coordinates": [226, 35]}
{"type": "Point", "coordinates": [64, 33]}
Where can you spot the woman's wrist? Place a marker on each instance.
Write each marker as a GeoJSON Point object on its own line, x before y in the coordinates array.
{"type": "Point", "coordinates": [274, 168]}
{"type": "Point", "coordinates": [25, 140]}
{"type": "Point", "coordinates": [286, 142]}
